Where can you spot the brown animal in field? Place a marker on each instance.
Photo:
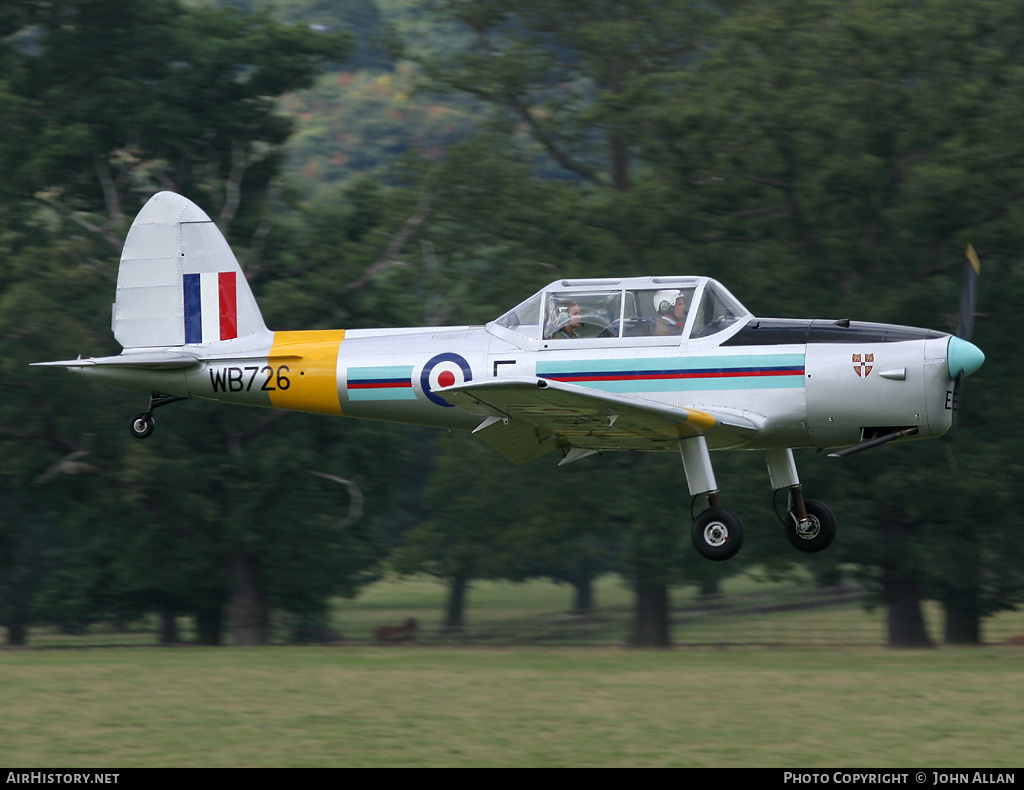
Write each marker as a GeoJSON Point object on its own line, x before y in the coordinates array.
{"type": "Point", "coordinates": [398, 633]}
{"type": "Point", "coordinates": [1016, 639]}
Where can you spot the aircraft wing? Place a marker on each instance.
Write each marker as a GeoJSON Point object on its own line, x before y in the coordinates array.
{"type": "Point", "coordinates": [525, 418]}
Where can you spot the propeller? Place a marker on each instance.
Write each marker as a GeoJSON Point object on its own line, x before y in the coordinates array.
{"type": "Point", "coordinates": [965, 357]}
{"type": "Point", "coordinates": [968, 295]}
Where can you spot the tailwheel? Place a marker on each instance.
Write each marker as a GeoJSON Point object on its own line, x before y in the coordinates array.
{"type": "Point", "coordinates": [816, 532]}
{"type": "Point", "coordinates": [142, 425]}
{"type": "Point", "coordinates": [717, 534]}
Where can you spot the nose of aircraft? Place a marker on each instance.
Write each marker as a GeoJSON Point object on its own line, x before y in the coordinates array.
{"type": "Point", "coordinates": [963, 357]}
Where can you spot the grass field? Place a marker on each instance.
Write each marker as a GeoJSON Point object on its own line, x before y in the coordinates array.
{"type": "Point", "coordinates": [845, 702]}
{"type": "Point", "coordinates": [478, 706]}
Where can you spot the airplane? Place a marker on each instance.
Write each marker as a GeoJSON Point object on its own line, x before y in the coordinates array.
{"type": "Point", "coordinates": [583, 366]}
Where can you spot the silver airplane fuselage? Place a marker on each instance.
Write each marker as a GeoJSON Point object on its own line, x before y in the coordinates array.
{"type": "Point", "coordinates": [582, 366]}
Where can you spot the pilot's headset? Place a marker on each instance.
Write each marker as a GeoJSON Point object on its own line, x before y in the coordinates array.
{"type": "Point", "coordinates": [665, 300]}
{"type": "Point", "coordinates": [562, 309]}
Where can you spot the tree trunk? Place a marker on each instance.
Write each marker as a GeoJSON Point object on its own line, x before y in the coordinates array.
{"type": "Point", "coordinates": [709, 590]}
{"type": "Point", "coordinates": [455, 615]}
{"type": "Point", "coordinates": [17, 634]}
{"type": "Point", "coordinates": [651, 626]}
{"type": "Point", "coordinates": [209, 622]}
{"type": "Point", "coordinates": [961, 594]}
{"type": "Point", "coordinates": [584, 595]}
{"type": "Point", "coordinates": [963, 618]}
{"type": "Point", "coordinates": [247, 610]}
{"type": "Point", "coordinates": [169, 628]}
{"type": "Point", "coordinates": [902, 592]}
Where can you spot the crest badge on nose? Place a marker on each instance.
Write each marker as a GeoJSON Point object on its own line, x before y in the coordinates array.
{"type": "Point", "coordinates": [862, 364]}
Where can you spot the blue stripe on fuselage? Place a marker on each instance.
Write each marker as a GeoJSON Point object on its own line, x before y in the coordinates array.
{"type": "Point", "coordinates": [384, 382]}
{"type": "Point", "coordinates": [761, 371]}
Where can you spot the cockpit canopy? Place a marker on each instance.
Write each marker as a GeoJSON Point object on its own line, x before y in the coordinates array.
{"type": "Point", "coordinates": [651, 307]}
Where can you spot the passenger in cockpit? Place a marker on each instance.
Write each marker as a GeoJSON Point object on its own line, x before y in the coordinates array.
{"type": "Point", "coordinates": [671, 307]}
{"type": "Point", "coordinates": [568, 321]}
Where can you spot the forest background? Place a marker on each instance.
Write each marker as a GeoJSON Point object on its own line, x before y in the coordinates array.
{"type": "Point", "coordinates": [397, 163]}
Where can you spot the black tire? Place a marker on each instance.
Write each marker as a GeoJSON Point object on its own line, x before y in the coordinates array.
{"type": "Point", "coordinates": [717, 534]}
{"type": "Point", "coordinates": [822, 528]}
{"type": "Point", "coordinates": [142, 425]}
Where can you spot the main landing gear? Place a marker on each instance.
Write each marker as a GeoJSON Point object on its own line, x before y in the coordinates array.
{"type": "Point", "coordinates": [142, 424]}
{"type": "Point", "coordinates": [815, 530]}
{"type": "Point", "coordinates": [717, 533]}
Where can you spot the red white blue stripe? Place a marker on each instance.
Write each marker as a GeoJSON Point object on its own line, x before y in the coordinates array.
{"type": "Point", "coordinates": [211, 306]}
{"type": "Point", "coordinates": [762, 371]}
{"type": "Point", "coordinates": [383, 382]}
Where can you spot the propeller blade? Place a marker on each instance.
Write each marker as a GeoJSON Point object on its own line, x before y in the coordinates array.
{"type": "Point", "coordinates": [968, 295]}
{"type": "Point", "coordinates": [967, 358]}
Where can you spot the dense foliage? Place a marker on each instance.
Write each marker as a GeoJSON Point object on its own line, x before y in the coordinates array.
{"type": "Point", "coordinates": [822, 158]}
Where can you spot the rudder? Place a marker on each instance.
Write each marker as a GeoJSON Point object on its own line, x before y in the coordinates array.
{"type": "Point", "coordinates": [178, 282]}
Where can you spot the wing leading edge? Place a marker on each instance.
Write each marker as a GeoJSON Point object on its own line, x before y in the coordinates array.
{"type": "Point", "coordinates": [525, 418]}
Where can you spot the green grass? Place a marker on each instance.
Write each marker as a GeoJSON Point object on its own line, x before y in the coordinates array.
{"type": "Point", "coordinates": [443, 706]}
{"type": "Point", "coordinates": [845, 702]}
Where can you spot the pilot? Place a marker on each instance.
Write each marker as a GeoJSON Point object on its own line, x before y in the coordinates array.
{"type": "Point", "coordinates": [567, 321]}
{"type": "Point", "coordinates": [671, 307]}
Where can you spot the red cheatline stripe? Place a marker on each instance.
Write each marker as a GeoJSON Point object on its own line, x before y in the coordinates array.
{"type": "Point", "coordinates": [373, 385]}
{"type": "Point", "coordinates": [228, 306]}
{"type": "Point", "coordinates": [681, 375]}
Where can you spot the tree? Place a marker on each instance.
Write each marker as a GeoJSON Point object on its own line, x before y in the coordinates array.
{"type": "Point", "coordinates": [578, 76]}
{"type": "Point", "coordinates": [570, 87]}
{"type": "Point", "coordinates": [816, 151]}
{"type": "Point", "coordinates": [480, 525]}
{"type": "Point", "coordinates": [853, 150]}
{"type": "Point", "coordinates": [119, 101]}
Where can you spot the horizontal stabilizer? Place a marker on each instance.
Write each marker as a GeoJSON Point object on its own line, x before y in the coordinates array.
{"type": "Point", "coordinates": [153, 360]}
{"type": "Point", "coordinates": [162, 360]}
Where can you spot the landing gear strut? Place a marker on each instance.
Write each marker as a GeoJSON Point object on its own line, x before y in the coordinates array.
{"type": "Point", "coordinates": [142, 424]}
{"type": "Point", "coordinates": [717, 533]}
{"type": "Point", "coordinates": [810, 525]}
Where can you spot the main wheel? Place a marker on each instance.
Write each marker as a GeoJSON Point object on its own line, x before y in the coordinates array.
{"type": "Point", "coordinates": [817, 533]}
{"type": "Point", "coordinates": [717, 534]}
{"type": "Point", "coordinates": [142, 425]}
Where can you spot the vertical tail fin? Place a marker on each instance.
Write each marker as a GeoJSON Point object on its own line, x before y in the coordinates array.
{"type": "Point", "coordinates": [178, 282]}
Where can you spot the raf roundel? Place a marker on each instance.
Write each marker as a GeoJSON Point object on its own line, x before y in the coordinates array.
{"type": "Point", "coordinates": [444, 370]}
